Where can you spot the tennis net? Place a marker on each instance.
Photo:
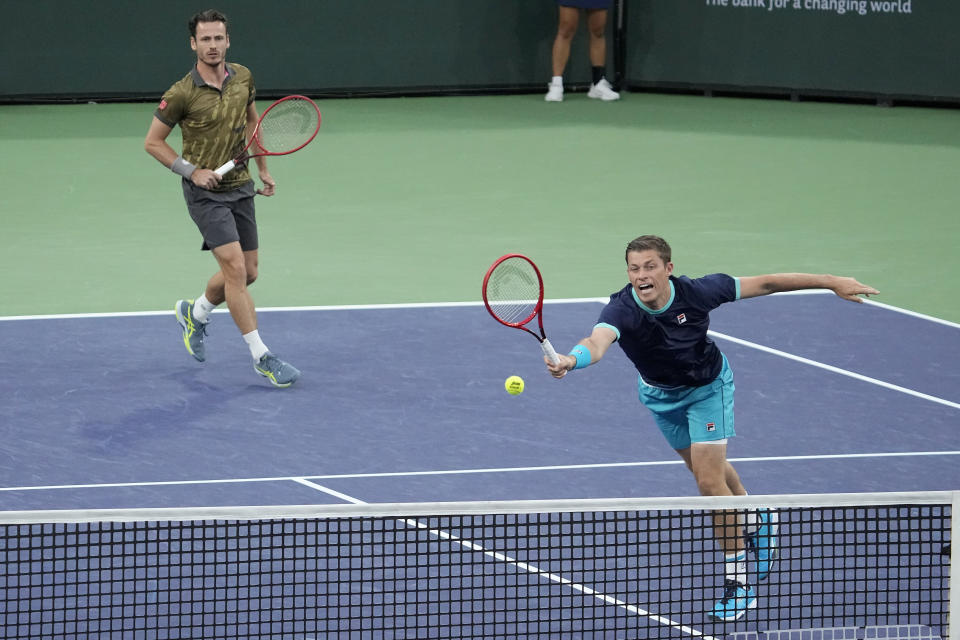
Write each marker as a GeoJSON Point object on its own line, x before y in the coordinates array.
{"type": "Point", "coordinates": [850, 567]}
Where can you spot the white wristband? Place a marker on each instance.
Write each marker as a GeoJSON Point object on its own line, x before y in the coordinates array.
{"type": "Point", "coordinates": [182, 167]}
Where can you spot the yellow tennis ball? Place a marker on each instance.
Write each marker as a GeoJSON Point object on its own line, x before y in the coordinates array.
{"type": "Point", "coordinates": [514, 385]}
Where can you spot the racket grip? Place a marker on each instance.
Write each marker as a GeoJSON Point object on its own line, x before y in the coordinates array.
{"type": "Point", "coordinates": [221, 170]}
{"type": "Point", "coordinates": [549, 351]}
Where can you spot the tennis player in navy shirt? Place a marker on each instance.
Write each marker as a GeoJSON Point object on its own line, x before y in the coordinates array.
{"type": "Point", "coordinates": [661, 321]}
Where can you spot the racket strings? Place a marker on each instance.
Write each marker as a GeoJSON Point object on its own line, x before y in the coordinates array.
{"type": "Point", "coordinates": [288, 126]}
{"type": "Point", "coordinates": [513, 291]}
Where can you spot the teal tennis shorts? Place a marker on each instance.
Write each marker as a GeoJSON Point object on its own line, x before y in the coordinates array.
{"type": "Point", "coordinates": [693, 414]}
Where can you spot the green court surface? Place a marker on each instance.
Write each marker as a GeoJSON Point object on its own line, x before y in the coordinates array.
{"type": "Point", "coordinates": [410, 199]}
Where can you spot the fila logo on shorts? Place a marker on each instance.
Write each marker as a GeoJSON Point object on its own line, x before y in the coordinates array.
{"type": "Point", "coordinates": [711, 426]}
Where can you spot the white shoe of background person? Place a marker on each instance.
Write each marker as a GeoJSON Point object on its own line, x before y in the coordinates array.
{"type": "Point", "coordinates": [603, 91]}
{"type": "Point", "coordinates": [554, 92]}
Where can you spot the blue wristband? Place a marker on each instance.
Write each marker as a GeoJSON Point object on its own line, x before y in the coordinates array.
{"type": "Point", "coordinates": [583, 356]}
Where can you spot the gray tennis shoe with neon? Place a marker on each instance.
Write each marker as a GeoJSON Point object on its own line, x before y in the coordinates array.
{"type": "Point", "coordinates": [193, 329]}
{"type": "Point", "coordinates": [763, 543]}
{"type": "Point", "coordinates": [279, 373]}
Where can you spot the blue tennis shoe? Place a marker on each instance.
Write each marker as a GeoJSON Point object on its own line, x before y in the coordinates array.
{"type": "Point", "coordinates": [736, 601]}
{"type": "Point", "coordinates": [762, 543]}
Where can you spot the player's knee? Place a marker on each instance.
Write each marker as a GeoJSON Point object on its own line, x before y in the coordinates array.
{"type": "Point", "coordinates": [567, 28]}
{"type": "Point", "coordinates": [251, 275]}
{"type": "Point", "coordinates": [234, 271]}
{"type": "Point", "coordinates": [712, 486]}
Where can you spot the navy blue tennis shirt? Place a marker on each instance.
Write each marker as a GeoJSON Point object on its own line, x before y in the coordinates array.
{"type": "Point", "coordinates": [670, 346]}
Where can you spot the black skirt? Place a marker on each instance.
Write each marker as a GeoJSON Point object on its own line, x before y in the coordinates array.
{"type": "Point", "coordinates": [586, 4]}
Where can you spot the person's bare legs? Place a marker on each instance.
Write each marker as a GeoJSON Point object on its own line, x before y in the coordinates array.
{"type": "Point", "coordinates": [238, 269]}
{"type": "Point", "coordinates": [597, 25]}
{"type": "Point", "coordinates": [567, 20]}
{"type": "Point", "coordinates": [715, 476]}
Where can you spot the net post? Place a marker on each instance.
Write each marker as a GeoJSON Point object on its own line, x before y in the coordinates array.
{"type": "Point", "coordinates": [953, 606]}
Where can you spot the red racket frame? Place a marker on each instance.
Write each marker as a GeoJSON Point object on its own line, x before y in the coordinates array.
{"type": "Point", "coordinates": [537, 309]}
{"type": "Point", "coordinates": [244, 156]}
{"type": "Point", "coordinates": [545, 345]}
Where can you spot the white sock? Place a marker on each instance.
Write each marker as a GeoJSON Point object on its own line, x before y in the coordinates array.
{"type": "Point", "coordinates": [557, 81]}
{"type": "Point", "coordinates": [202, 308]}
{"type": "Point", "coordinates": [257, 348]}
{"type": "Point", "coordinates": [750, 526]}
{"type": "Point", "coordinates": [735, 567]}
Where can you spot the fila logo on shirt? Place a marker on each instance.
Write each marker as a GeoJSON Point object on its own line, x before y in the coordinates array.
{"type": "Point", "coordinates": [681, 318]}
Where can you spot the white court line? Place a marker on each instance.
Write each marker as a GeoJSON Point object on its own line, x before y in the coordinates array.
{"type": "Point", "coordinates": [427, 305]}
{"type": "Point", "coordinates": [914, 314]}
{"type": "Point", "coordinates": [342, 307]}
{"type": "Point", "coordinates": [740, 341]}
{"type": "Point", "coordinates": [329, 491]}
{"type": "Point", "coordinates": [832, 369]}
{"type": "Point", "coordinates": [420, 305]}
{"type": "Point", "coordinates": [400, 474]}
{"type": "Point", "coordinates": [522, 566]}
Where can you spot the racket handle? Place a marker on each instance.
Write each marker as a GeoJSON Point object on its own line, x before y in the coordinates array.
{"type": "Point", "coordinates": [221, 170]}
{"type": "Point", "coordinates": [549, 351]}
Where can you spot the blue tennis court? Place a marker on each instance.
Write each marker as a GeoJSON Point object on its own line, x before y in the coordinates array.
{"type": "Point", "coordinates": [406, 404]}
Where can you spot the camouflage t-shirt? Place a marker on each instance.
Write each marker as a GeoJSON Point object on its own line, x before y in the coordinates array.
{"type": "Point", "coordinates": [212, 121]}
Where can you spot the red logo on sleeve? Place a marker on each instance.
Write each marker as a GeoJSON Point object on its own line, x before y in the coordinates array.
{"type": "Point", "coordinates": [163, 105]}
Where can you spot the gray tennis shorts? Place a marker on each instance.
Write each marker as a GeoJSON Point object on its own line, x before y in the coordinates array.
{"type": "Point", "coordinates": [223, 217]}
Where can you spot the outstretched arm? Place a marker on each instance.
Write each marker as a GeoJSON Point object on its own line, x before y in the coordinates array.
{"type": "Point", "coordinates": [596, 345]}
{"type": "Point", "coordinates": [846, 288]}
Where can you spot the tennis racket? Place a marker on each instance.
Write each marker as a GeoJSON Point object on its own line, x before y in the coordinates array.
{"type": "Point", "coordinates": [513, 294]}
{"type": "Point", "coordinates": [288, 125]}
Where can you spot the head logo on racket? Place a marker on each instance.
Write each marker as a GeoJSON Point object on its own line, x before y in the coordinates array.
{"type": "Point", "coordinates": [513, 294]}
{"type": "Point", "coordinates": [287, 125]}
